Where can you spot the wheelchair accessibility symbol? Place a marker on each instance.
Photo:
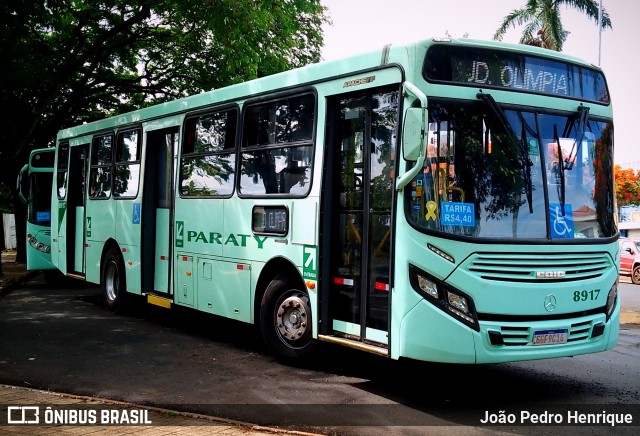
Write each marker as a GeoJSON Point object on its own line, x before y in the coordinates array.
{"type": "Point", "coordinates": [135, 219]}
{"type": "Point", "coordinates": [561, 225]}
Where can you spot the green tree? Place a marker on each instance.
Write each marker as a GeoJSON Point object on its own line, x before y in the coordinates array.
{"type": "Point", "coordinates": [627, 183]}
{"type": "Point", "coordinates": [542, 22]}
{"type": "Point", "coordinates": [65, 62]}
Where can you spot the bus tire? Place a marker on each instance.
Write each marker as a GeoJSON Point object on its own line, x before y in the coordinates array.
{"type": "Point", "coordinates": [285, 320]}
{"type": "Point", "coordinates": [635, 275]}
{"type": "Point", "coordinates": [114, 287]}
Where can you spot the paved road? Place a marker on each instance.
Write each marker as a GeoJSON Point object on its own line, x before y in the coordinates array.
{"type": "Point", "coordinates": [63, 340]}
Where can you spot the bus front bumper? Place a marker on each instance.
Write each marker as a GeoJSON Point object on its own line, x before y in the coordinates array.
{"type": "Point", "coordinates": [444, 339]}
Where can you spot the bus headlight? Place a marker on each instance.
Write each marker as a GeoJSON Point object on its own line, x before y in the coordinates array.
{"type": "Point", "coordinates": [451, 301]}
{"type": "Point", "coordinates": [427, 286]}
{"type": "Point", "coordinates": [40, 246]}
{"type": "Point", "coordinates": [458, 302]}
{"type": "Point", "coordinates": [611, 299]}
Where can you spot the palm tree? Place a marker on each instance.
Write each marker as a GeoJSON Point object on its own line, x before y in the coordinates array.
{"type": "Point", "coordinates": [543, 26]}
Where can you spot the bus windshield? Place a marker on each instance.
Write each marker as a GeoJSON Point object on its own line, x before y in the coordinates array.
{"type": "Point", "coordinates": [39, 205]}
{"type": "Point", "coordinates": [494, 172]}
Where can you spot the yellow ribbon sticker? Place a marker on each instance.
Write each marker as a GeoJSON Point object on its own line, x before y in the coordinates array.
{"type": "Point", "coordinates": [432, 206]}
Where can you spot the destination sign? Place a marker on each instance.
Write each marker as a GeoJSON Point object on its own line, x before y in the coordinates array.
{"type": "Point", "coordinates": [503, 69]}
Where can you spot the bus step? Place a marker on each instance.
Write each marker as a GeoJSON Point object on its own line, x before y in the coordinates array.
{"type": "Point", "coordinates": [76, 276]}
{"type": "Point", "coordinates": [156, 300]}
{"type": "Point", "coordinates": [355, 344]}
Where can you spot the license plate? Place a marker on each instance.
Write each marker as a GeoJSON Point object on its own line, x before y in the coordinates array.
{"type": "Point", "coordinates": [550, 337]}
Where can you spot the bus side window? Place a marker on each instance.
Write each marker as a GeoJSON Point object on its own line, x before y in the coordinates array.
{"type": "Point", "coordinates": [127, 165]}
{"type": "Point", "coordinates": [63, 164]}
{"type": "Point", "coordinates": [101, 160]}
{"type": "Point", "coordinates": [277, 146]}
{"type": "Point", "coordinates": [208, 160]}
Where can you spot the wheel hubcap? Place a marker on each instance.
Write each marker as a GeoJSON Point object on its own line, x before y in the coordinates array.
{"type": "Point", "coordinates": [292, 317]}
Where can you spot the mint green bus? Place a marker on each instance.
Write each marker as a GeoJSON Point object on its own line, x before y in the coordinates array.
{"type": "Point", "coordinates": [35, 182]}
{"type": "Point", "coordinates": [448, 201]}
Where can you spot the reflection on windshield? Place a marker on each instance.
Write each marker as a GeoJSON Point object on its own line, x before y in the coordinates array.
{"type": "Point", "coordinates": [487, 171]}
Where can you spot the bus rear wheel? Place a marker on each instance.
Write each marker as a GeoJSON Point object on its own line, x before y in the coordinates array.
{"type": "Point", "coordinates": [113, 281]}
{"type": "Point", "coordinates": [285, 320]}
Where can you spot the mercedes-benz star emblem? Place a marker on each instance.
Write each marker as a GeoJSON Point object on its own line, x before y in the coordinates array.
{"type": "Point", "coordinates": [550, 303]}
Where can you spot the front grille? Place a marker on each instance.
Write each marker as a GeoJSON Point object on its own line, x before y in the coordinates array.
{"type": "Point", "coordinates": [520, 267]}
{"type": "Point", "coordinates": [523, 335]}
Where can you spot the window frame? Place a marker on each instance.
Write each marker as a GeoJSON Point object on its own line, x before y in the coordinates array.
{"type": "Point", "coordinates": [60, 171]}
{"type": "Point", "coordinates": [310, 142]}
{"type": "Point", "coordinates": [128, 163]}
{"type": "Point", "coordinates": [93, 167]}
{"type": "Point", "coordinates": [194, 154]}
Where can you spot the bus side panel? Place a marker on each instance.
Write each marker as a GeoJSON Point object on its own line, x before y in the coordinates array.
{"type": "Point", "coordinates": [101, 216]}
{"type": "Point", "coordinates": [162, 235]}
{"type": "Point", "coordinates": [79, 239]}
{"type": "Point", "coordinates": [304, 221]}
{"type": "Point", "coordinates": [58, 230]}
{"type": "Point", "coordinates": [304, 232]}
{"type": "Point", "coordinates": [184, 280]}
{"type": "Point", "coordinates": [93, 258]}
{"type": "Point", "coordinates": [199, 226]}
{"type": "Point", "coordinates": [128, 236]}
{"type": "Point", "coordinates": [256, 249]}
{"type": "Point", "coordinates": [243, 243]}
{"type": "Point", "coordinates": [131, 259]}
{"type": "Point", "coordinates": [223, 288]}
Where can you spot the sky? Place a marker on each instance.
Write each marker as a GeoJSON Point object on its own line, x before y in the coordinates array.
{"type": "Point", "coordinates": [365, 25]}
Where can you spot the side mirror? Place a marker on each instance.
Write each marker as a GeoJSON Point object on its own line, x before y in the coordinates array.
{"type": "Point", "coordinates": [22, 184]}
{"type": "Point", "coordinates": [414, 129]}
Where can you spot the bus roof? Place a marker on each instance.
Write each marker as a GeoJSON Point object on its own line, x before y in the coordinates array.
{"type": "Point", "coordinates": [525, 49]}
{"type": "Point", "coordinates": [298, 77]}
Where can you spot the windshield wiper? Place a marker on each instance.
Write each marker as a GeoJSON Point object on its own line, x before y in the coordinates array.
{"type": "Point", "coordinates": [564, 164]}
{"type": "Point", "coordinates": [527, 169]}
{"type": "Point", "coordinates": [583, 119]}
{"type": "Point", "coordinates": [560, 168]}
{"type": "Point", "coordinates": [520, 145]}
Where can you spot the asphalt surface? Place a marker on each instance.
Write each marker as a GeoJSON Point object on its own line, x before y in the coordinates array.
{"type": "Point", "coordinates": [63, 340]}
{"type": "Point", "coordinates": [67, 398]}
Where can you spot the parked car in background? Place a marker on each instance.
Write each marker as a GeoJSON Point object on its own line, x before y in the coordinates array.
{"type": "Point", "coordinates": [630, 259]}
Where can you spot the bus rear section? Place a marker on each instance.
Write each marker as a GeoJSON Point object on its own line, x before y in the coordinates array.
{"type": "Point", "coordinates": [34, 188]}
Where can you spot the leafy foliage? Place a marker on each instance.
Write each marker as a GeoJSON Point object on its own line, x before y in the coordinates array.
{"type": "Point", "coordinates": [542, 22]}
{"type": "Point", "coordinates": [65, 62]}
{"type": "Point", "coordinates": [69, 61]}
{"type": "Point", "coordinates": [627, 183]}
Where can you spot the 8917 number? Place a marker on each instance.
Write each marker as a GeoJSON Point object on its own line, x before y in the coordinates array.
{"type": "Point", "coordinates": [586, 295]}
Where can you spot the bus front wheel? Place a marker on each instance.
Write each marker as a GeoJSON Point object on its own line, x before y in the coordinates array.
{"type": "Point", "coordinates": [113, 281]}
{"type": "Point", "coordinates": [285, 320]}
